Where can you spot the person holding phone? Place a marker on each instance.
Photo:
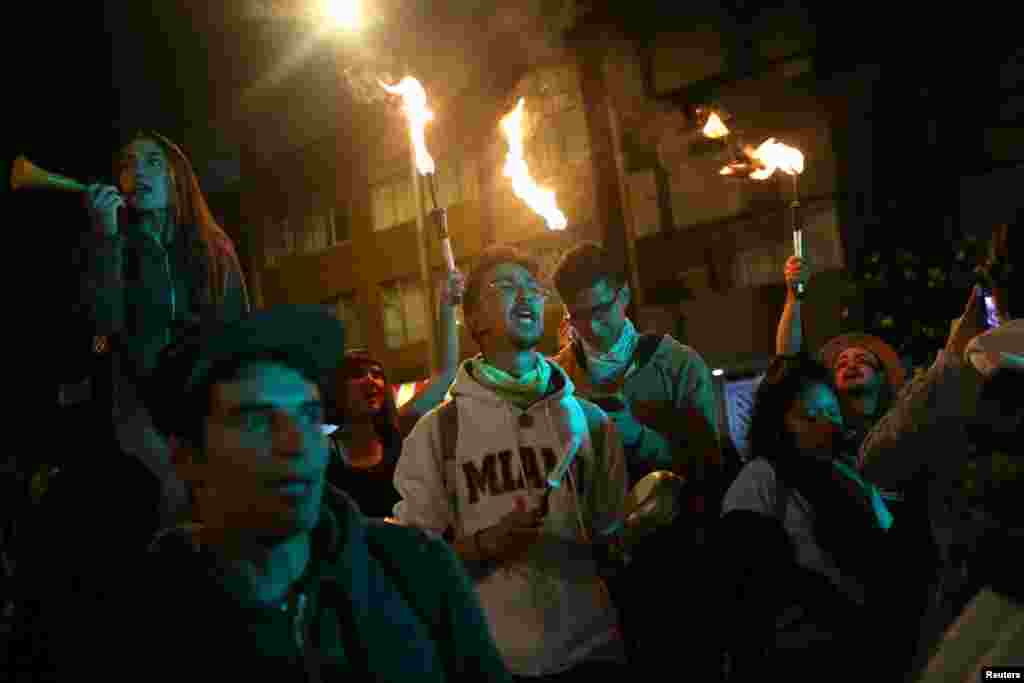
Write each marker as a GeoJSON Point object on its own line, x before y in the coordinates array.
{"type": "Point", "coordinates": [971, 393]}
{"type": "Point", "coordinates": [658, 391]}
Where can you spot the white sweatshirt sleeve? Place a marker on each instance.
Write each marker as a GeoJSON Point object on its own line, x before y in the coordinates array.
{"type": "Point", "coordinates": [419, 479]}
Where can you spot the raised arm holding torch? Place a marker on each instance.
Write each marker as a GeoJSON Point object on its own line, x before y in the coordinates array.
{"type": "Point", "coordinates": [414, 99]}
{"type": "Point", "coordinates": [761, 164]}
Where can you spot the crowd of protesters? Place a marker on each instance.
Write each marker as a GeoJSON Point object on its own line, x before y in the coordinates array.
{"type": "Point", "coordinates": [260, 504]}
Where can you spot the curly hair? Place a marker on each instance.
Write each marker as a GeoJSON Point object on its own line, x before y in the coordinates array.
{"type": "Point", "coordinates": [783, 383]}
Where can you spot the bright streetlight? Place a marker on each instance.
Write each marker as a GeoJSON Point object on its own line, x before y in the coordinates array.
{"type": "Point", "coordinates": [346, 15]}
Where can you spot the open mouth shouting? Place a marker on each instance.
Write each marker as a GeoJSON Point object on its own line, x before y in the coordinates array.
{"type": "Point", "coordinates": [524, 315]}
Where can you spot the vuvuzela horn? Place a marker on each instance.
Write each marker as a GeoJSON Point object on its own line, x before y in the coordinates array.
{"type": "Point", "coordinates": [26, 175]}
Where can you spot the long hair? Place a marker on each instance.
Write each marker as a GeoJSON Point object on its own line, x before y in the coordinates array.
{"type": "Point", "coordinates": [210, 251]}
{"type": "Point", "coordinates": [385, 422]}
{"type": "Point", "coordinates": [842, 525]}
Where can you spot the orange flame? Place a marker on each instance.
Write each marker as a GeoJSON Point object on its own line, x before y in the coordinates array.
{"type": "Point", "coordinates": [414, 99]}
{"type": "Point", "coordinates": [772, 156]}
{"type": "Point", "coordinates": [541, 200]}
{"type": "Point", "coordinates": [769, 157]}
{"type": "Point", "coordinates": [714, 128]}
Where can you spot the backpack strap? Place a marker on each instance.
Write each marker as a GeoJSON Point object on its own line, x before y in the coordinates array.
{"type": "Point", "coordinates": [646, 347]}
{"type": "Point", "coordinates": [448, 416]}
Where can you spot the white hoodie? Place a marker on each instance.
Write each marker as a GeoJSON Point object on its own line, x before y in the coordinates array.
{"type": "Point", "coordinates": [552, 610]}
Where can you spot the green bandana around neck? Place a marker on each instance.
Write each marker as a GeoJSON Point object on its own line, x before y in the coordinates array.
{"type": "Point", "coordinates": [520, 391]}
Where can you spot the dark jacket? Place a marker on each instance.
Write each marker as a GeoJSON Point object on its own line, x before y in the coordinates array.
{"type": "Point", "coordinates": [379, 602]}
{"type": "Point", "coordinates": [138, 293]}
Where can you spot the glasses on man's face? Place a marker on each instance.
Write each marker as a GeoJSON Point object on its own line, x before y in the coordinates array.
{"type": "Point", "coordinates": [510, 290]}
{"type": "Point", "coordinates": [600, 311]}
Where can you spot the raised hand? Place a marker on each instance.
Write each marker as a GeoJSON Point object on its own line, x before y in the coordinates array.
{"type": "Point", "coordinates": [797, 270]}
{"type": "Point", "coordinates": [453, 287]}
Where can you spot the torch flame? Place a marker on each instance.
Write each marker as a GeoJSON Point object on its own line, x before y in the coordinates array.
{"type": "Point", "coordinates": [769, 157]}
{"type": "Point", "coordinates": [414, 99]}
{"type": "Point", "coordinates": [541, 200]}
{"type": "Point", "coordinates": [714, 128]}
{"type": "Point", "coordinates": [772, 156]}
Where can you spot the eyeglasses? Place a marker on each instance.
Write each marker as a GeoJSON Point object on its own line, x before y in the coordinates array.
{"type": "Point", "coordinates": [511, 290]}
{"type": "Point", "coordinates": [599, 311]}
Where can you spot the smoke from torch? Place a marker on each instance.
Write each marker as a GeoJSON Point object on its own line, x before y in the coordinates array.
{"type": "Point", "coordinates": [541, 200]}
{"type": "Point", "coordinates": [414, 101]}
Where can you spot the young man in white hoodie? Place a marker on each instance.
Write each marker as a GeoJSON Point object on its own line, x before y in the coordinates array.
{"type": "Point", "coordinates": [477, 469]}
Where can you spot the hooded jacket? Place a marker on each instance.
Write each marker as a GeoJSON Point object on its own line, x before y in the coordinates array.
{"type": "Point", "coordinates": [377, 602]}
{"type": "Point", "coordinates": [550, 611]}
{"type": "Point", "coordinates": [674, 376]}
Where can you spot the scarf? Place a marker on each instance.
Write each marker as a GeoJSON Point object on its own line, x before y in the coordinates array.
{"type": "Point", "coordinates": [519, 391]}
{"type": "Point", "coordinates": [604, 366]}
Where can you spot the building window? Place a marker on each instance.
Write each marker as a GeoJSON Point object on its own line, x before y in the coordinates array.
{"type": "Point", "coordinates": [405, 314]}
{"type": "Point", "coordinates": [457, 181]}
{"type": "Point", "coordinates": [394, 199]}
{"type": "Point", "coordinates": [394, 202]}
{"type": "Point", "coordinates": [344, 307]}
{"type": "Point", "coordinates": [822, 245]}
{"type": "Point", "coordinates": [309, 232]}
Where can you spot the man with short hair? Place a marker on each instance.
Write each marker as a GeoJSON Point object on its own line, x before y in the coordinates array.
{"type": "Point", "coordinates": [527, 481]}
{"type": "Point", "coordinates": [658, 392]}
{"type": "Point", "coordinates": [278, 574]}
{"type": "Point", "coordinates": [660, 395]}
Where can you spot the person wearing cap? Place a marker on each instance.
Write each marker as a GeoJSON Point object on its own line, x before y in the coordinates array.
{"type": "Point", "coordinates": [526, 480]}
{"type": "Point", "coordinates": [868, 371]}
{"type": "Point", "coordinates": [972, 392]}
{"type": "Point", "coordinates": [808, 553]}
{"type": "Point", "coordinates": [277, 574]}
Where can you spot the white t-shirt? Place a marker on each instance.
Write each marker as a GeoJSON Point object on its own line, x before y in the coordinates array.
{"type": "Point", "coordinates": [756, 489]}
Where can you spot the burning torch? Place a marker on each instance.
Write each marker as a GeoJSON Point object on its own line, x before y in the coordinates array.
{"type": "Point", "coordinates": [541, 200]}
{"type": "Point", "coordinates": [414, 101]}
{"type": "Point", "coordinates": [761, 164]}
